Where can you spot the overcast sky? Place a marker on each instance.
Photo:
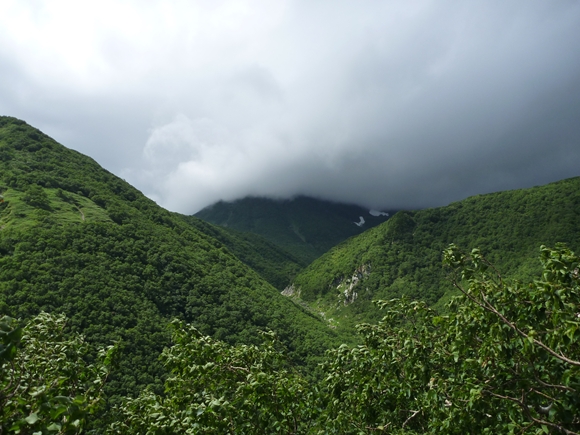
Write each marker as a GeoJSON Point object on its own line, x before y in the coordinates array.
{"type": "Point", "coordinates": [387, 104]}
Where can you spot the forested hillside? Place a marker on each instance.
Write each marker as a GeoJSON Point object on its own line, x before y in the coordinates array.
{"type": "Point", "coordinates": [504, 360]}
{"type": "Point", "coordinates": [273, 263]}
{"type": "Point", "coordinates": [403, 255]}
{"type": "Point", "coordinates": [306, 227]}
{"type": "Point", "coordinates": [119, 317]}
{"type": "Point", "coordinates": [75, 239]}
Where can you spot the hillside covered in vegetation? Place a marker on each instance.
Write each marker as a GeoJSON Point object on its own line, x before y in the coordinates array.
{"type": "Point", "coordinates": [273, 263]}
{"type": "Point", "coordinates": [506, 359]}
{"type": "Point", "coordinates": [119, 317]}
{"type": "Point", "coordinates": [402, 257]}
{"type": "Point", "coordinates": [77, 240]}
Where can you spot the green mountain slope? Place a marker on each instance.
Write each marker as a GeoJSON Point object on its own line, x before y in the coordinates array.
{"type": "Point", "coordinates": [76, 239]}
{"type": "Point", "coordinates": [403, 255]}
{"type": "Point", "coordinates": [273, 263]}
{"type": "Point", "coordinates": [305, 227]}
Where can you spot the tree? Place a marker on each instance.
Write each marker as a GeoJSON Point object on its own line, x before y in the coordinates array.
{"type": "Point", "coordinates": [505, 360]}
{"type": "Point", "coordinates": [36, 196]}
{"type": "Point", "coordinates": [521, 343]}
{"type": "Point", "coordinates": [46, 386]}
{"type": "Point", "coordinates": [215, 388]}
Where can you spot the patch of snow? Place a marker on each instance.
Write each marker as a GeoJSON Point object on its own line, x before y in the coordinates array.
{"type": "Point", "coordinates": [377, 213]}
{"type": "Point", "coordinates": [361, 222]}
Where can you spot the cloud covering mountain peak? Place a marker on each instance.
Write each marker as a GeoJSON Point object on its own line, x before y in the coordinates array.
{"type": "Point", "coordinates": [385, 104]}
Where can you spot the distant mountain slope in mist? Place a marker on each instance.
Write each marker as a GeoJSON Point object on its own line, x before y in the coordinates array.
{"type": "Point", "coordinates": [306, 227]}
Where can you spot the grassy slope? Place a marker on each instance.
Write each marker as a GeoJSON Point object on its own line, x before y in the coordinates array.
{"type": "Point", "coordinates": [404, 254]}
{"type": "Point", "coordinates": [305, 227]}
{"type": "Point", "coordinates": [120, 266]}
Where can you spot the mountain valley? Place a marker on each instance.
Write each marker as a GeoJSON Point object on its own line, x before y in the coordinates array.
{"type": "Point", "coordinates": [265, 316]}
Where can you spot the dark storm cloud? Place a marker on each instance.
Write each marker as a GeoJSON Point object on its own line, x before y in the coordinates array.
{"type": "Point", "coordinates": [386, 104]}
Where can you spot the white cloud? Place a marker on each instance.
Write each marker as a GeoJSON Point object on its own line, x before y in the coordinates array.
{"type": "Point", "coordinates": [383, 103]}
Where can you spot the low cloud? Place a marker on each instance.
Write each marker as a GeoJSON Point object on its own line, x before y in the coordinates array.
{"type": "Point", "coordinates": [385, 104]}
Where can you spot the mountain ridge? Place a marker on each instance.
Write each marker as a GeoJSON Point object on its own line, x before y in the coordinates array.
{"type": "Point", "coordinates": [402, 256]}
{"type": "Point", "coordinates": [77, 240]}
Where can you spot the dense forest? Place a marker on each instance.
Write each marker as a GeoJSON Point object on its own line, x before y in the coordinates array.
{"type": "Point", "coordinates": [77, 240]}
{"type": "Point", "coordinates": [119, 317]}
{"type": "Point", "coordinates": [273, 263]}
{"type": "Point", "coordinates": [506, 359]}
{"type": "Point", "coordinates": [402, 257]}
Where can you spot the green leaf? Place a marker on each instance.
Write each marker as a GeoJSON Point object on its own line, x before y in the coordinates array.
{"type": "Point", "coordinates": [57, 411]}
{"type": "Point", "coordinates": [54, 427]}
{"type": "Point", "coordinates": [32, 418]}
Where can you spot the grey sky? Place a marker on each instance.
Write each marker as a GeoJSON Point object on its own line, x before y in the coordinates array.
{"type": "Point", "coordinates": [383, 103]}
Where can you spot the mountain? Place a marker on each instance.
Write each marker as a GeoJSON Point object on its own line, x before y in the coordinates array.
{"type": "Point", "coordinates": [76, 239]}
{"type": "Point", "coordinates": [305, 227]}
{"type": "Point", "coordinates": [274, 264]}
{"type": "Point", "coordinates": [403, 255]}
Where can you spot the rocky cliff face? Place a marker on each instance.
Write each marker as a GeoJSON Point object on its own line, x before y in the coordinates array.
{"type": "Point", "coordinates": [291, 290]}
{"type": "Point", "coordinates": [346, 287]}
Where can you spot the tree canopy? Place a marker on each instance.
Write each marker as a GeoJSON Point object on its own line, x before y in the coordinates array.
{"type": "Point", "coordinates": [505, 359]}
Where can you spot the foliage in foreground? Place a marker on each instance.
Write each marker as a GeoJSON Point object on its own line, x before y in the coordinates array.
{"type": "Point", "coordinates": [215, 388]}
{"type": "Point", "coordinates": [506, 360]}
{"type": "Point", "coordinates": [46, 386]}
